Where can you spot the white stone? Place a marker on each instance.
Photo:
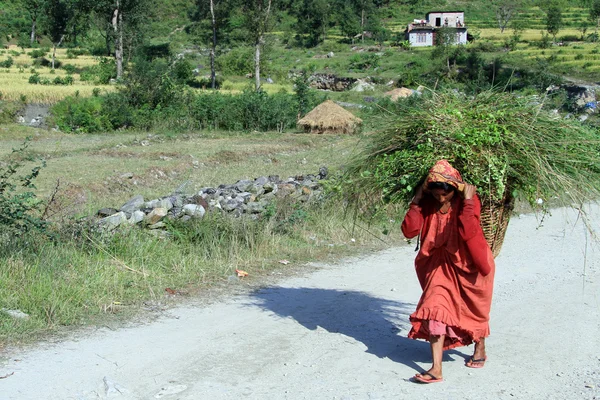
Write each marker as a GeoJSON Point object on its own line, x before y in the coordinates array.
{"type": "Point", "coordinates": [194, 210]}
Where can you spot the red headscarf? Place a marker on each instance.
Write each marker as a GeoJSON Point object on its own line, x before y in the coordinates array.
{"type": "Point", "coordinates": [442, 171]}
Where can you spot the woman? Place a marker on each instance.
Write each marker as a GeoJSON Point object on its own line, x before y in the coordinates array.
{"type": "Point", "coordinates": [455, 268]}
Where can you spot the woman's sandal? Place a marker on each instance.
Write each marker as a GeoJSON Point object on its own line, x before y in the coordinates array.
{"type": "Point", "coordinates": [419, 378]}
{"type": "Point", "coordinates": [473, 363]}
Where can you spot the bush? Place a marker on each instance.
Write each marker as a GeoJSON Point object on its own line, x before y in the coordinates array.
{"type": "Point", "coordinates": [34, 79]}
{"type": "Point", "coordinates": [38, 53]}
{"type": "Point", "coordinates": [18, 202]}
{"type": "Point", "coordinates": [67, 80]}
{"type": "Point", "coordinates": [545, 42]}
{"type": "Point", "coordinates": [70, 68]}
{"type": "Point", "coordinates": [239, 61]}
{"type": "Point", "coordinates": [9, 111]}
{"type": "Point", "coordinates": [74, 53]}
{"type": "Point", "coordinates": [44, 62]}
{"type": "Point", "coordinates": [7, 63]}
{"type": "Point", "coordinates": [569, 38]}
{"type": "Point", "coordinates": [364, 61]}
{"type": "Point", "coordinates": [81, 115]}
{"type": "Point", "coordinates": [102, 73]}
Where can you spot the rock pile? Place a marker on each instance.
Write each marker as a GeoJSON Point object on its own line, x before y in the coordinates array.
{"type": "Point", "coordinates": [330, 82]}
{"type": "Point", "coordinates": [243, 197]}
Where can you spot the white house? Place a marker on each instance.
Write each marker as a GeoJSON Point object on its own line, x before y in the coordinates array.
{"type": "Point", "coordinates": [422, 32]}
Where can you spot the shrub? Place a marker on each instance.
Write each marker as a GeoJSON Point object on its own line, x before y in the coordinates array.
{"type": "Point", "coordinates": [545, 42]}
{"type": "Point", "coordinates": [81, 115]}
{"type": "Point", "coordinates": [44, 62]}
{"type": "Point", "coordinates": [7, 63]}
{"type": "Point", "coordinates": [239, 61]}
{"type": "Point", "coordinates": [34, 79]}
{"type": "Point", "coordinates": [8, 111]}
{"type": "Point", "coordinates": [592, 37]}
{"type": "Point", "coordinates": [38, 53]}
{"type": "Point", "coordinates": [364, 61]}
{"type": "Point", "coordinates": [70, 68]}
{"type": "Point", "coordinates": [101, 73]}
{"type": "Point", "coordinates": [67, 80]}
{"type": "Point", "coordinates": [18, 202]}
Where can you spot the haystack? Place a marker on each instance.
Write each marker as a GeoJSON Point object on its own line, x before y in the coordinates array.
{"type": "Point", "coordinates": [328, 117]}
{"type": "Point", "coordinates": [399, 92]}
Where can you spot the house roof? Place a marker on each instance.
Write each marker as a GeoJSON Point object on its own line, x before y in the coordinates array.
{"type": "Point", "coordinates": [444, 12]}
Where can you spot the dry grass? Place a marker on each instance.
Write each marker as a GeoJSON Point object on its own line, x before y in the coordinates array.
{"type": "Point", "coordinates": [160, 164]}
{"type": "Point", "coordinates": [328, 117]}
{"type": "Point", "coordinates": [14, 81]}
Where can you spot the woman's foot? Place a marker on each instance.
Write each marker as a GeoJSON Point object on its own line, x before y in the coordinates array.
{"type": "Point", "coordinates": [478, 359]}
{"type": "Point", "coordinates": [431, 376]}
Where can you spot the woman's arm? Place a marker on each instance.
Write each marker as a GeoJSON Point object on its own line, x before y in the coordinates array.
{"type": "Point", "coordinates": [413, 220]}
{"type": "Point", "coordinates": [471, 232]}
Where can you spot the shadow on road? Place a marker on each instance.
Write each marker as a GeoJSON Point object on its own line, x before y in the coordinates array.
{"type": "Point", "coordinates": [380, 324]}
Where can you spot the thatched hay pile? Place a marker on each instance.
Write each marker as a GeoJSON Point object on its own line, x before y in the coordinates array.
{"type": "Point", "coordinates": [399, 93]}
{"type": "Point", "coordinates": [328, 117]}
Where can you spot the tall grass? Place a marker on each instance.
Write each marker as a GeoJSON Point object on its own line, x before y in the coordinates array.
{"type": "Point", "coordinates": [90, 277]}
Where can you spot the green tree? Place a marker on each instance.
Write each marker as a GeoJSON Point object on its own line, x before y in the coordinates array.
{"type": "Point", "coordinates": [212, 26]}
{"type": "Point", "coordinates": [312, 20]}
{"type": "Point", "coordinates": [506, 11]}
{"type": "Point", "coordinates": [554, 21]}
{"type": "Point", "coordinates": [123, 22]}
{"type": "Point", "coordinates": [355, 16]}
{"type": "Point", "coordinates": [595, 13]}
{"type": "Point", "coordinates": [59, 14]}
{"type": "Point", "coordinates": [35, 9]}
{"type": "Point", "coordinates": [445, 41]}
{"type": "Point", "coordinates": [258, 21]}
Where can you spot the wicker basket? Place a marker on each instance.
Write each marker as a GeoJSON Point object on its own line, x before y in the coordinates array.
{"type": "Point", "coordinates": [494, 221]}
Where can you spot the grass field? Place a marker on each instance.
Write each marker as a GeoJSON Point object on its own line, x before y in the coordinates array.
{"type": "Point", "coordinates": [14, 81]}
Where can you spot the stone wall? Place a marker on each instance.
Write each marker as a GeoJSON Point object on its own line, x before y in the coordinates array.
{"type": "Point", "coordinates": [243, 197]}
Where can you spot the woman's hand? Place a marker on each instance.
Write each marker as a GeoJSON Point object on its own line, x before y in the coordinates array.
{"type": "Point", "coordinates": [418, 195]}
{"type": "Point", "coordinates": [469, 191]}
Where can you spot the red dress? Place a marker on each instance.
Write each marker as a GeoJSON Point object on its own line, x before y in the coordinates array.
{"type": "Point", "coordinates": [455, 268]}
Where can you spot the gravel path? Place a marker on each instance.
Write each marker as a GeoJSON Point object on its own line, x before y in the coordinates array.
{"type": "Point", "coordinates": [339, 332]}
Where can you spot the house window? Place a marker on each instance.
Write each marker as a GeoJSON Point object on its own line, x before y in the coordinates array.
{"type": "Point", "coordinates": [421, 38]}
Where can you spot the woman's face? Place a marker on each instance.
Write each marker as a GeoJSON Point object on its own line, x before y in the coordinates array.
{"type": "Point", "coordinates": [441, 195]}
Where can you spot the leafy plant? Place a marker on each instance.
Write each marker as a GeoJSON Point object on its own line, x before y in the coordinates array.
{"type": "Point", "coordinates": [18, 202]}
{"type": "Point", "coordinates": [7, 63]}
{"type": "Point", "coordinates": [364, 61]}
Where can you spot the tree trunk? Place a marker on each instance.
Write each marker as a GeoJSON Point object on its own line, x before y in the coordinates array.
{"type": "Point", "coordinates": [362, 26]}
{"type": "Point", "coordinates": [257, 64]}
{"type": "Point", "coordinates": [54, 49]}
{"type": "Point", "coordinates": [117, 22]}
{"type": "Point", "coordinates": [213, 74]}
{"type": "Point", "coordinates": [32, 39]}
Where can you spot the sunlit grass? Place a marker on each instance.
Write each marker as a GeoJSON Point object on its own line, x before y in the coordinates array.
{"type": "Point", "coordinates": [14, 85]}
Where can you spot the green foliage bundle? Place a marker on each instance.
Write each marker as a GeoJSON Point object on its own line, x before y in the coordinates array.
{"type": "Point", "coordinates": [18, 202]}
{"type": "Point", "coordinates": [504, 144]}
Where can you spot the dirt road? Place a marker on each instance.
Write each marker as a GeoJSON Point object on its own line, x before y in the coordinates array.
{"type": "Point", "coordinates": [339, 332]}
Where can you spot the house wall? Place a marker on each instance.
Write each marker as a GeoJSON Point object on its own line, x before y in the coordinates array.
{"type": "Point", "coordinates": [453, 18]}
{"type": "Point", "coordinates": [420, 38]}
